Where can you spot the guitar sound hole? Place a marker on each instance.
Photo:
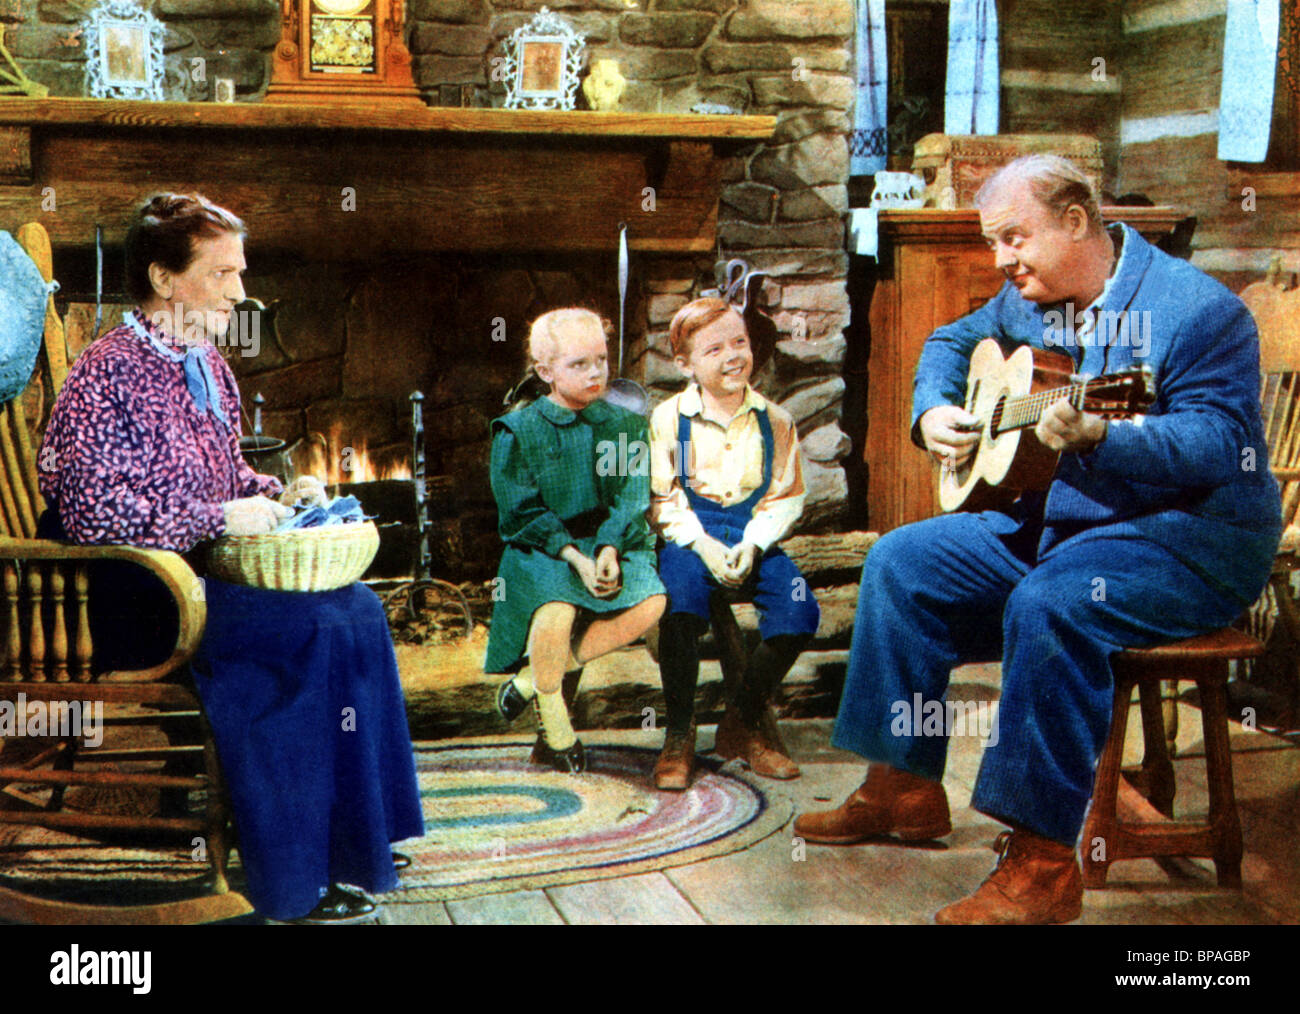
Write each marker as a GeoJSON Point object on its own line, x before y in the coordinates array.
{"type": "Point", "coordinates": [995, 420]}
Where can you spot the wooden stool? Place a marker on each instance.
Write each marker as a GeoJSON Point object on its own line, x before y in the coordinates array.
{"type": "Point", "coordinates": [1203, 659]}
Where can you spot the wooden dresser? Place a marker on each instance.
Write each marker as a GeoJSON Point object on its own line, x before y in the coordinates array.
{"type": "Point", "coordinates": [933, 268]}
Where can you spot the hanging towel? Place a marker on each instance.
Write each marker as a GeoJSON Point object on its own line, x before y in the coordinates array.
{"type": "Point", "coordinates": [971, 95]}
{"type": "Point", "coordinates": [869, 142]}
{"type": "Point", "coordinates": [1249, 63]}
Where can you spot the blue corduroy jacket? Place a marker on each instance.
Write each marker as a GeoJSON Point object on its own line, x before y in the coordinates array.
{"type": "Point", "coordinates": [1192, 473]}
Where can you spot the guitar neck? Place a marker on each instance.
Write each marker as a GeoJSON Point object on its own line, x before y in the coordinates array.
{"type": "Point", "coordinates": [1026, 410]}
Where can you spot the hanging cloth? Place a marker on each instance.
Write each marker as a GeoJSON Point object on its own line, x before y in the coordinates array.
{"type": "Point", "coordinates": [1249, 65]}
{"type": "Point", "coordinates": [869, 142]}
{"type": "Point", "coordinates": [24, 294]}
{"type": "Point", "coordinates": [971, 95]}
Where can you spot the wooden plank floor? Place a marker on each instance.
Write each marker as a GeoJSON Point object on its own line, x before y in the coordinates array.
{"type": "Point", "coordinates": [775, 881]}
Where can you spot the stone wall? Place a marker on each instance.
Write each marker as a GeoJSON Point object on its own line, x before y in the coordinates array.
{"type": "Point", "coordinates": [355, 339]}
{"type": "Point", "coordinates": [783, 203]}
{"type": "Point", "coordinates": [205, 39]}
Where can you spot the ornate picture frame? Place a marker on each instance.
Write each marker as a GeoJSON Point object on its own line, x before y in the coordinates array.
{"type": "Point", "coordinates": [124, 52]}
{"type": "Point", "coordinates": [542, 62]}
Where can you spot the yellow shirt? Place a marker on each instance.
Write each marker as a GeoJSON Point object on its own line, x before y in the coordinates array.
{"type": "Point", "coordinates": [725, 465]}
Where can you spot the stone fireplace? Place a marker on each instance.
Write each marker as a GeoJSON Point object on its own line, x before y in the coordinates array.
{"type": "Point", "coordinates": [469, 222]}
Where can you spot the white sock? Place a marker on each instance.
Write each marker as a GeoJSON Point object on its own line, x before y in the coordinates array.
{"type": "Point", "coordinates": [524, 684]}
{"type": "Point", "coordinates": [556, 726]}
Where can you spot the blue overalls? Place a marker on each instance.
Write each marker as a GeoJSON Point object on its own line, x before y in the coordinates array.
{"type": "Point", "coordinates": [784, 601]}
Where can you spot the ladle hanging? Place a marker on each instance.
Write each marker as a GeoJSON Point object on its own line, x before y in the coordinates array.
{"type": "Point", "coordinates": [622, 392]}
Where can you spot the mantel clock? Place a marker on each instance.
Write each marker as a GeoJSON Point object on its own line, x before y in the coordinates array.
{"type": "Point", "coordinates": [346, 52]}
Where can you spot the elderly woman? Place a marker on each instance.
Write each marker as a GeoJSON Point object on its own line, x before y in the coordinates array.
{"type": "Point", "coordinates": [301, 689]}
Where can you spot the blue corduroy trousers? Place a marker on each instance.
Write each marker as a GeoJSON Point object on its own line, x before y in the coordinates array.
{"type": "Point", "coordinates": [968, 588]}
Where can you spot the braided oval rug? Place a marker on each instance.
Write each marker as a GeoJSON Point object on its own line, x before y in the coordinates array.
{"type": "Point", "coordinates": [494, 822]}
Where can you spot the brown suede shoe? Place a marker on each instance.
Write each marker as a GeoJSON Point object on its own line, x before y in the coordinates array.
{"type": "Point", "coordinates": [889, 802]}
{"type": "Point", "coordinates": [676, 762]}
{"type": "Point", "coordinates": [733, 740]}
{"type": "Point", "coordinates": [1036, 881]}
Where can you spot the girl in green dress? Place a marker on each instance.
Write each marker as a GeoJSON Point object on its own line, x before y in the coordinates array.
{"type": "Point", "coordinates": [571, 477]}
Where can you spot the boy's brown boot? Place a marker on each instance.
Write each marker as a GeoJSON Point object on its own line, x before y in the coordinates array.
{"type": "Point", "coordinates": [735, 739]}
{"type": "Point", "coordinates": [889, 802]}
{"type": "Point", "coordinates": [677, 761]}
{"type": "Point", "coordinates": [1036, 881]}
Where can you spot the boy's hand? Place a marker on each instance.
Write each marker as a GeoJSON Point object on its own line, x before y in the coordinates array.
{"type": "Point", "coordinates": [740, 560]}
{"type": "Point", "coordinates": [714, 554]}
{"type": "Point", "coordinates": [607, 569]}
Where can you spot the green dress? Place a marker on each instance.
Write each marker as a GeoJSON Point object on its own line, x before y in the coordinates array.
{"type": "Point", "coordinates": [562, 477]}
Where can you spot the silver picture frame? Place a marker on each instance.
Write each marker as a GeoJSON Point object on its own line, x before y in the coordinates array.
{"type": "Point", "coordinates": [124, 52]}
{"type": "Point", "coordinates": [542, 61]}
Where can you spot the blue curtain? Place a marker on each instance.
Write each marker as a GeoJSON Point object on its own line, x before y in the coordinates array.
{"type": "Point", "coordinates": [971, 93]}
{"type": "Point", "coordinates": [869, 142]}
{"type": "Point", "coordinates": [1249, 65]}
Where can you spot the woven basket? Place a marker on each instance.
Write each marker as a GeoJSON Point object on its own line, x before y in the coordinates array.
{"type": "Point", "coordinates": [301, 559]}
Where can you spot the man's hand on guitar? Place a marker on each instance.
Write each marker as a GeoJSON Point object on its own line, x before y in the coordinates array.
{"type": "Point", "coordinates": [950, 434]}
{"type": "Point", "coordinates": [1064, 428]}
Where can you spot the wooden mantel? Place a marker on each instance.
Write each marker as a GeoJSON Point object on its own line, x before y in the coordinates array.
{"type": "Point", "coordinates": [341, 184]}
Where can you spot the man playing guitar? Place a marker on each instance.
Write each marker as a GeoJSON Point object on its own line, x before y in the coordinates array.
{"type": "Point", "coordinates": [1155, 528]}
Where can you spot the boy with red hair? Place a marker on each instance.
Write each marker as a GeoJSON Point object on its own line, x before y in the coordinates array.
{"type": "Point", "coordinates": [726, 486]}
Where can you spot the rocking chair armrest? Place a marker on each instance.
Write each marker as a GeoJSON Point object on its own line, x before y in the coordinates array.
{"type": "Point", "coordinates": [182, 584]}
{"type": "Point", "coordinates": [1287, 474]}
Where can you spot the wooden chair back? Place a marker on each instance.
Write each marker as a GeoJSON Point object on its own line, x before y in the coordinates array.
{"type": "Point", "coordinates": [1276, 310]}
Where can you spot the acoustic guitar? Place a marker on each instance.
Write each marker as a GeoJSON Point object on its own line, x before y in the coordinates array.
{"type": "Point", "coordinates": [1008, 396]}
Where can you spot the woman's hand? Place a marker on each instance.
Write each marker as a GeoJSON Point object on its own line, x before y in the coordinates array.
{"type": "Point", "coordinates": [253, 515]}
{"type": "Point", "coordinates": [307, 488]}
{"type": "Point", "coordinates": [607, 569]}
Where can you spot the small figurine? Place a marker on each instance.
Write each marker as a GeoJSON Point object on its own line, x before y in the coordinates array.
{"type": "Point", "coordinates": [604, 85]}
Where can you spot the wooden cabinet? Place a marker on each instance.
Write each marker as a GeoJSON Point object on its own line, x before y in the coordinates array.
{"type": "Point", "coordinates": [934, 267]}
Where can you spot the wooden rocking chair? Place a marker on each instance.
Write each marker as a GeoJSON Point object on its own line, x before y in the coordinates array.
{"type": "Point", "coordinates": [47, 658]}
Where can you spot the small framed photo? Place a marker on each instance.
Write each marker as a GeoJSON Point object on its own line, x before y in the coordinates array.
{"type": "Point", "coordinates": [542, 62]}
{"type": "Point", "coordinates": [124, 52]}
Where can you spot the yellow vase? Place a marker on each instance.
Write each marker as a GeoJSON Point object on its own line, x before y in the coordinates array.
{"type": "Point", "coordinates": [604, 85]}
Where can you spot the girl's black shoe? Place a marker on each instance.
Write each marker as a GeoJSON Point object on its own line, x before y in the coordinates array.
{"type": "Point", "coordinates": [510, 702]}
{"type": "Point", "coordinates": [570, 762]}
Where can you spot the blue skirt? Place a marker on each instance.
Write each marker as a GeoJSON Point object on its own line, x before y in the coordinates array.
{"type": "Point", "coordinates": [302, 693]}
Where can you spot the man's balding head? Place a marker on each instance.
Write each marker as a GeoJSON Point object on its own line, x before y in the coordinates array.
{"type": "Point", "coordinates": [1055, 182]}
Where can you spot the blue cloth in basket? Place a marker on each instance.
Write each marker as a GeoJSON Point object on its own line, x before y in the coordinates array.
{"type": "Point", "coordinates": [341, 510]}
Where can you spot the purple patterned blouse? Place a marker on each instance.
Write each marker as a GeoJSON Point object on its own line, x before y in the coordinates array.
{"type": "Point", "coordinates": [128, 458]}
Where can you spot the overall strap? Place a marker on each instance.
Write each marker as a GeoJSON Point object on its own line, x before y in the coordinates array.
{"type": "Point", "coordinates": [683, 453]}
{"type": "Point", "coordinates": [683, 449]}
{"type": "Point", "coordinates": [769, 451]}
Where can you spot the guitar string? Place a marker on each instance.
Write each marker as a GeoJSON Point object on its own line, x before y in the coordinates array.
{"type": "Point", "coordinates": [1024, 409]}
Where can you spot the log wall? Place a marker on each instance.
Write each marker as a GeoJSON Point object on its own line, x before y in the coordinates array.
{"type": "Point", "coordinates": [1172, 58]}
